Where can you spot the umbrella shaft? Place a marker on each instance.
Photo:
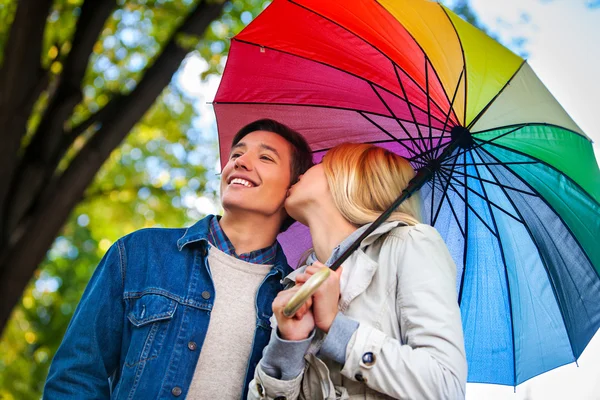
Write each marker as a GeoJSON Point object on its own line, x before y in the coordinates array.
{"type": "Point", "coordinates": [423, 176]}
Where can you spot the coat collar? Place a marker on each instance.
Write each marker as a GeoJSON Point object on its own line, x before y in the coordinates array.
{"type": "Point", "coordinates": [358, 257]}
{"type": "Point", "coordinates": [195, 233]}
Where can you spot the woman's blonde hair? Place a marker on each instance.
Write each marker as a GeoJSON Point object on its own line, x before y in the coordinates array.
{"type": "Point", "coordinates": [365, 180]}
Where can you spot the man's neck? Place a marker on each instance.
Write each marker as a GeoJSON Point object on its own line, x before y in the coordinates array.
{"type": "Point", "coordinates": [248, 231]}
{"type": "Point", "coordinates": [328, 228]}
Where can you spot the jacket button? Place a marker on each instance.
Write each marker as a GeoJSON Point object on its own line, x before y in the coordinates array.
{"type": "Point", "coordinates": [176, 391]}
{"type": "Point", "coordinates": [203, 251]}
{"type": "Point", "coordinates": [368, 359]}
{"type": "Point", "coordinates": [360, 378]}
{"type": "Point", "coordinates": [192, 346]}
{"type": "Point", "coordinates": [206, 295]}
{"type": "Point", "coordinates": [260, 389]}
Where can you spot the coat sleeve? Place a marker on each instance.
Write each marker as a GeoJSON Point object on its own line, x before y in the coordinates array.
{"type": "Point", "coordinates": [430, 363]}
{"type": "Point", "coordinates": [90, 351]}
{"type": "Point", "coordinates": [268, 383]}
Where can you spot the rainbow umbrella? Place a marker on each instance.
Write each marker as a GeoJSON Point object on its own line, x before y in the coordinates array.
{"type": "Point", "coordinates": [510, 181]}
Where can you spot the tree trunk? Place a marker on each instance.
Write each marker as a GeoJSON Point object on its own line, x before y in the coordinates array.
{"type": "Point", "coordinates": [32, 235]}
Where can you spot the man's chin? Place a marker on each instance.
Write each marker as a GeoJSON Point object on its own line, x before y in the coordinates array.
{"type": "Point", "coordinates": [250, 206]}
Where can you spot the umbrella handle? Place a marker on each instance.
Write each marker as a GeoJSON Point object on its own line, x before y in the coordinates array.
{"type": "Point", "coordinates": [306, 290]}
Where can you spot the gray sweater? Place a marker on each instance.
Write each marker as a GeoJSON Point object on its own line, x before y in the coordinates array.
{"type": "Point", "coordinates": [221, 368]}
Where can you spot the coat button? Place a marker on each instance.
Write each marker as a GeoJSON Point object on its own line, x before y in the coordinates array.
{"type": "Point", "coordinates": [368, 359]}
{"type": "Point", "coordinates": [192, 346]}
{"type": "Point", "coordinates": [260, 389]}
{"type": "Point", "coordinates": [206, 295]}
{"type": "Point", "coordinates": [360, 378]}
{"type": "Point", "coordinates": [176, 391]}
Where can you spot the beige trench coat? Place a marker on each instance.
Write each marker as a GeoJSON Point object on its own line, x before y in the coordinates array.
{"type": "Point", "coordinates": [401, 287]}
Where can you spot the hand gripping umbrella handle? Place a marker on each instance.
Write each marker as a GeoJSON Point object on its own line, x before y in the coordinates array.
{"type": "Point", "coordinates": [306, 290]}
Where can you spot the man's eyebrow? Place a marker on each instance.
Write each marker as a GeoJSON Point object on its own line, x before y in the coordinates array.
{"type": "Point", "coordinates": [271, 149]}
{"type": "Point", "coordinates": [239, 145]}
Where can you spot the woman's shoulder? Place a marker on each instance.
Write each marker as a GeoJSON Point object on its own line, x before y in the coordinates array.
{"type": "Point", "coordinates": [414, 238]}
{"type": "Point", "coordinates": [415, 232]}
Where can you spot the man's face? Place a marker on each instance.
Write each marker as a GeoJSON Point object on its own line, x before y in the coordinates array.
{"type": "Point", "coordinates": [257, 176]}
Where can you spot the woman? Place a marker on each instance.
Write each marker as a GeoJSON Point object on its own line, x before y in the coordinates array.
{"type": "Point", "coordinates": [387, 323]}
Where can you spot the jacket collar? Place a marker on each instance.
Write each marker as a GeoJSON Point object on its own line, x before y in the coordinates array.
{"type": "Point", "coordinates": [199, 232]}
{"type": "Point", "coordinates": [195, 233]}
{"type": "Point", "coordinates": [380, 231]}
{"type": "Point", "coordinates": [355, 281]}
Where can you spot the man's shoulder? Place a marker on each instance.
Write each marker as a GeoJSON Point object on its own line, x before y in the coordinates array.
{"type": "Point", "coordinates": [153, 236]}
{"type": "Point", "coordinates": [165, 237]}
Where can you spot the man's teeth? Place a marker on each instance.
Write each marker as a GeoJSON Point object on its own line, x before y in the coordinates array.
{"type": "Point", "coordinates": [242, 182]}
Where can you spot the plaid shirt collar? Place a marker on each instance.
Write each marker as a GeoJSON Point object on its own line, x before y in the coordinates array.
{"type": "Point", "coordinates": [217, 237]}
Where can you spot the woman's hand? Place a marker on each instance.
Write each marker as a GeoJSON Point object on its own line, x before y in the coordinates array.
{"type": "Point", "coordinates": [301, 324]}
{"type": "Point", "coordinates": [326, 298]}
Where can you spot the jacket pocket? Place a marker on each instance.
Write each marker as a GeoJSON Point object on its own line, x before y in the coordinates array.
{"type": "Point", "coordinates": [150, 318]}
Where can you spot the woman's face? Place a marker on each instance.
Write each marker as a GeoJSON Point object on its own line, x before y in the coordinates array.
{"type": "Point", "coordinates": [311, 189]}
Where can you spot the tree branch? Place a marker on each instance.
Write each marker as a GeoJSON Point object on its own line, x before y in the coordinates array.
{"type": "Point", "coordinates": [54, 206]}
{"type": "Point", "coordinates": [49, 144]}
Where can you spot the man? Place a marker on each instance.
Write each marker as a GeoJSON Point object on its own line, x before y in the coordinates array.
{"type": "Point", "coordinates": [185, 312]}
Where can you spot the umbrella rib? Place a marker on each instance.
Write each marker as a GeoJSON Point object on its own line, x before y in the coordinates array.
{"type": "Point", "coordinates": [505, 270]}
{"type": "Point", "coordinates": [486, 199]}
{"type": "Point", "coordinates": [309, 105]}
{"type": "Point", "coordinates": [494, 183]}
{"type": "Point", "coordinates": [437, 145]}
{"type": "Point", "coordinates": [484, 142]}
{"type": "Point", "coordinates": [412, 113]}
{"type": "Point", "coordinates": [532, 124]}
{"type": "Point", "coordinates": [387, 133]}
{"type": "Point", "coordinates": [531, 236]}
{"type": "Point", "coordinates": [379, 142]}
{"type": "Point", "coordinates": [538, 161]}
{"type": "Point", "coordinates": [466, 244]}
{"type": "Point", "coordinates": [445, 195]}
{"type": "Point", "coordinates": [525, 183]}
{"type": "Point", "coordinates": [469, 206]}
{"type": "Point", "coordinates": [482, 112]}
{"type": "Point", "coordinates": [397, 120]}
{"type": "Point", "coordinates": [433, 194]}
{"type": "Point", "coordinates": [506, 163]}
{"type": "Point", "coordinates": [444, 191]}
{"type": "Point", "coordinates": [327, 65]}
{"type": "Point", "coordinates": [462, 230]}
{"type": "Point", "coordinates": [428, 99]}
{"type": "Point", "coordinates": [377, 49]}
{"type": "Point", "coordinates": [462, 49]}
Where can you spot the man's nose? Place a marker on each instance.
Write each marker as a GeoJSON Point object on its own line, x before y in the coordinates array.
{"type": "Point", "coordinates": [243, 162]}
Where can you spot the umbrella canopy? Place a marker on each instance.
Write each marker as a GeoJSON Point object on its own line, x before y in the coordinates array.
{"type": "Point", "coordinates": [514, 188]}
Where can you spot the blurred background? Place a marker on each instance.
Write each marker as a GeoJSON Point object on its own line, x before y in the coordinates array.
{"type": "Point", "coordinates": [107, 128]}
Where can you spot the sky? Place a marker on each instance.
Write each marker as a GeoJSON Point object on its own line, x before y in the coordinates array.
{"type": "Point", "coordinates": [562, 42]}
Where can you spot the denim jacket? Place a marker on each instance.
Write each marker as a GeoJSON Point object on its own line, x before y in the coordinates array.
{"type": "Point", "coordinates": [140, 325]}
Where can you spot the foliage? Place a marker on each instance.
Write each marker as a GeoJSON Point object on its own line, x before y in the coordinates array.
{"type": "Point", "coordinates": [157, 177]}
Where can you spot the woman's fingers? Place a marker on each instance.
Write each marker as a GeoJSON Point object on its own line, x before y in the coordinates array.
{"type": "Point", "coordinates": [302, 278]}
{"type": "Point", "coordinates": [304, 309]}
{"type": "Point", "coordinates": [283, 297]}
